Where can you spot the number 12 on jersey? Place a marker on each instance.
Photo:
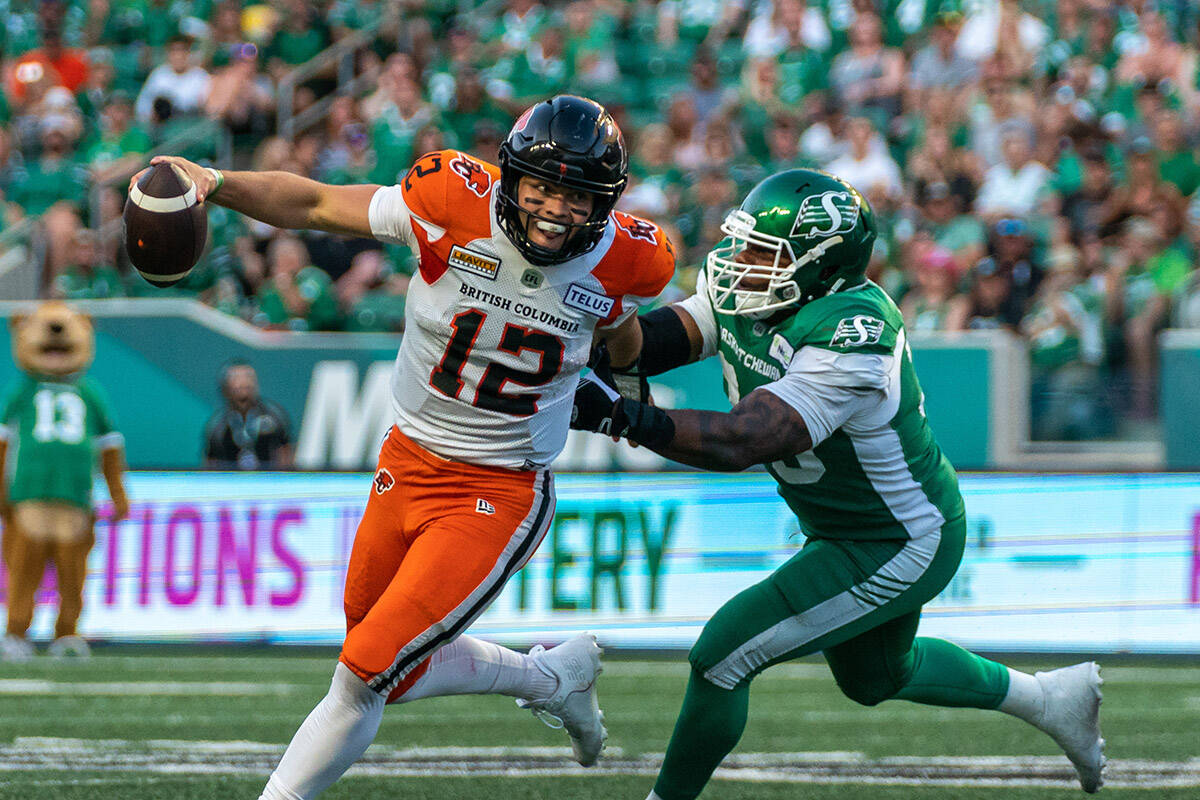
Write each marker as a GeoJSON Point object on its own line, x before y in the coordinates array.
{"type": "Point", "coordinates": [447, 375]}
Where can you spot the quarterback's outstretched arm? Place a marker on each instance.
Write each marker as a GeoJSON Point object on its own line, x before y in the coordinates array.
{"type": "Point", "coordinates": [281, 198]}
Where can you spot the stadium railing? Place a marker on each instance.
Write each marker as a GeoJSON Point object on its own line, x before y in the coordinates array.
{"type": "Point", "coordinates": [343, 54]}
{"type": "Point", "coordinates": [22, 260]}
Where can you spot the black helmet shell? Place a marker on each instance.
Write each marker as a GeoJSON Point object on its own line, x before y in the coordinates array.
{"type": "Point", "coordinates": [571, 141]}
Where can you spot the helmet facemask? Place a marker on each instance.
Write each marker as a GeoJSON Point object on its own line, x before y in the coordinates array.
{"type": "Point", "coordinates": [518, 221]}
{"type": "Point", "coordinates": [760, 290]}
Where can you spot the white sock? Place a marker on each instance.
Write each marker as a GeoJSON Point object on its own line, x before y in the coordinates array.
{"type": "Point", "coordinates": [1025, 698]}
{"type": "Point", "coordinates": [472, 666]}
{"type": "Point", "coordinates": [335, 735]}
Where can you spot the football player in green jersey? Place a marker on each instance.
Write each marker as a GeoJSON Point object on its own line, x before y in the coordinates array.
{"type": "Point", "coordinates": [824, 394]}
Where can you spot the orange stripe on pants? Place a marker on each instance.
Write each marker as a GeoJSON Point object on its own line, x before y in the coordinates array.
{"type": "Point", "coordinates": [435, 546]}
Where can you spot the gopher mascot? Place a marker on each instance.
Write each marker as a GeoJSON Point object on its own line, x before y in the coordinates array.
{"type": "Point", "coordinates": [53, 422]}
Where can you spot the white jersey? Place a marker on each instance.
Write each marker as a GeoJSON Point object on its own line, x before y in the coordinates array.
{"type": "Point", "coordinates": [493, 345]}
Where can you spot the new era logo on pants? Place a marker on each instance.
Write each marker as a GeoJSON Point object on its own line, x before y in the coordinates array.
{"type": "Point", "coordinates": [484, 507]}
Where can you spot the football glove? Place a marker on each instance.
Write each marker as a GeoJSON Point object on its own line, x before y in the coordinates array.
{"type": "Point", "coordinates": [594, 404]}
{"type": "Point", "coordinates": [598, 408]}
{"type": "Point", "coordinates": [628, 381]}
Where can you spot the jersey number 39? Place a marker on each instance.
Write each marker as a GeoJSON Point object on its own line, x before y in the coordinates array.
{"type": "Point", "coordinates": [447, 375]}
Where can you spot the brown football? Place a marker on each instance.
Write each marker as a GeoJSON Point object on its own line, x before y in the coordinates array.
{"type": "Point", "coordinates": [165, 228]}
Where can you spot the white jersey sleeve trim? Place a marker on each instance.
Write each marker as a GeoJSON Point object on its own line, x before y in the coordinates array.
{"type": "Point", "coordinates": [699, 308]}
{"type": "Point", "coordinates": [828, 389]}
{"type": "Point", "coordinates": [389, 216]}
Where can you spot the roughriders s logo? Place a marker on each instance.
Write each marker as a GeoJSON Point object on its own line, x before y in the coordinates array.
{"type": "Point", "coordinates": [857, 331]}
{"type": "Point", "coordinates": [473, 174]}
{"type": "Point", "coordinates": [383, 481]}
{"type": "Point", "coordinates": [636, 228]}
{"type": "Point", "coordinates": [826, 214]}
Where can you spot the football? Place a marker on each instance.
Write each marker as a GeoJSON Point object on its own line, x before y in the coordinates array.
{"type": "Point", "coordinates": [165, 228]}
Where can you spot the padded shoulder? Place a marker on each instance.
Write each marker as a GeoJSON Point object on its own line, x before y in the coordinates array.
{"type": "Point", "coordinates": [860, 321]}
{"type": "Point", "coordinates": [640, 261]}
{"type": "Point", "coordinates": [452, 190]}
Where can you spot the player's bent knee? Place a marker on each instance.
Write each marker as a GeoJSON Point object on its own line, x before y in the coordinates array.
{"type": "Point", "coordinates": [869, 693]}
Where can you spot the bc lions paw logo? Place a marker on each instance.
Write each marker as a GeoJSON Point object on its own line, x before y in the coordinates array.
{"type": "Point", "coordinates": [383, 481]}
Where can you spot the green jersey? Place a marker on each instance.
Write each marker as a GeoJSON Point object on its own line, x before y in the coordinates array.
{"type": "Point", "coordinates": [54, 430]}
{"type": "Point", "coordinates": [842, 361]}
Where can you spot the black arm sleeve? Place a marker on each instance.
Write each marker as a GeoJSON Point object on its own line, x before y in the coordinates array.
{"type": "Point", "coordinates": [665, 343]}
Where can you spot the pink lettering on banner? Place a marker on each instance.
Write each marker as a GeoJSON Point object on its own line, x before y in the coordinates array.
{"type": "Point", "coordinates": [285, 517]}
{"type": "Point", "coordinates": [243, 556]}
{"type": "Point", "coordinates": [112, 559]}
{"type": "Point", "coordinates": [147, 568]}
{"type": "Point", "coordinates": [1194, 595]}
{"type": "Point", "coordinates": [184, 515]}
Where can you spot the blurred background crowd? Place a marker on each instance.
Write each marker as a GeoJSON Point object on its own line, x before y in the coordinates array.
{"type": "Point", "coordinates": [1032, 163]}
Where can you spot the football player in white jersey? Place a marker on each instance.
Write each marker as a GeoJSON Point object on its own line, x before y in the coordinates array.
{"type": "Point", "coordinates": [521, 269]}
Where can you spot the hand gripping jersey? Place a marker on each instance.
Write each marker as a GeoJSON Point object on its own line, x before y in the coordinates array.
{"type": "Point", "coordinates": [875, 471]}
{"type": "Point", "coordinates": [493, 345]}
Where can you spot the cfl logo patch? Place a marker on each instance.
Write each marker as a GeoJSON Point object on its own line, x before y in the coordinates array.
{"type": "Point", "coordinates": [383, 481]}
{"type": "Point", "coordinates": [484, 507]}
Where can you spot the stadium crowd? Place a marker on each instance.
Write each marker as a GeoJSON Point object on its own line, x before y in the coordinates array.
{"type": "Point", "coordinates": [1032, 164]}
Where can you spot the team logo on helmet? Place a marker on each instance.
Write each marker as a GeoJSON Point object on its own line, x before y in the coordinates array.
{"type": "Point", "coordinates": [524, 119]}
{"type": "Point", "coordinates": [383, 481]}
{"type": "Point", "coordinates": [826, 214]}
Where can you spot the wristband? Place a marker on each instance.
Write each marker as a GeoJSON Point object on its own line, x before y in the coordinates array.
{"type": "Point", "coordinates": [218, 177]}
{"type": "Point", "coordinates": [643, 423]}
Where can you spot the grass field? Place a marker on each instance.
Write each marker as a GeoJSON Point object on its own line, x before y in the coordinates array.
{"type": "Point", "coordinates": [203, 723]}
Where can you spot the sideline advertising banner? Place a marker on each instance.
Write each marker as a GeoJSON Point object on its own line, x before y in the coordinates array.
{"type": "Point", "coordinates": [1095, 563]}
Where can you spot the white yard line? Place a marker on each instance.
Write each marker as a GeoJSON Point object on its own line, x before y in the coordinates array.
{"type": "Point", "coordinates": [256, 758]}
{"type": "Point", "coordinates": [141, 689]}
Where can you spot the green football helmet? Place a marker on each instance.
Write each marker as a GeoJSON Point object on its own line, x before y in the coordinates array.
{"type": "Point", "coordinates": [820, 229]}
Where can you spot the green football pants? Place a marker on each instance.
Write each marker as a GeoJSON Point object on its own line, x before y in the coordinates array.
{"type": "Point", "coordinates": [823, 599]}
{"type": "Point", "coordinates": [859, 603]}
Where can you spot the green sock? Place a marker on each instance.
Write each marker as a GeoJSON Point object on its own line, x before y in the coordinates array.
{"type": "Point", "coordinates": [710, 723]}
{"type": "Point", "coordinates": [946, 675]}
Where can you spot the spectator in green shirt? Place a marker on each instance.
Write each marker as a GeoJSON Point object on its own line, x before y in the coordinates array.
{"type": "Point", "coordinates": [373, 298]}
{"type": "Point", "coordinates": [1066, 347]}
{"type": "Point", "coordinates": [84, 277]}
{"type": "Point", "coordinates": [538, 71]}
{"type": "Point", "coordinates": [120, 141]}
{"type": "Point", "coordinates": [296, 295]}
{"type": "Point", "coordinates": [469, 106]}
{"type": "Point", "coordinates": [1141, 275]}
{"type": "Point", "coordinates": [393, 131]}
{"type": "Point", "coordinates": [302, 35]}
{"type": "Point", "coordinates": [963, 235]}
{"type": "Point", "coordinates": [57, 175]}
{"type": "Point", "coordinates": [1176, 161]}
{"type": "Point", "coordinates": [518, 27]}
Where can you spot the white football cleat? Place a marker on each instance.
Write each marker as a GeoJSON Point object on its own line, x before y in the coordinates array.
{"type": "Point", "coordinates": [1072, 718]}
{"type": "Point", "coordinates": [15, 648]}
{"type": "Point", "coordinates": [575, 664]}
{"type": "Point", "coordinates": [72, 646]}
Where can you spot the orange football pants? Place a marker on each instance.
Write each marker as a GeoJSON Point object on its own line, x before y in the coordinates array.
{"type": "Point", "coordinates": [436, 544]}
